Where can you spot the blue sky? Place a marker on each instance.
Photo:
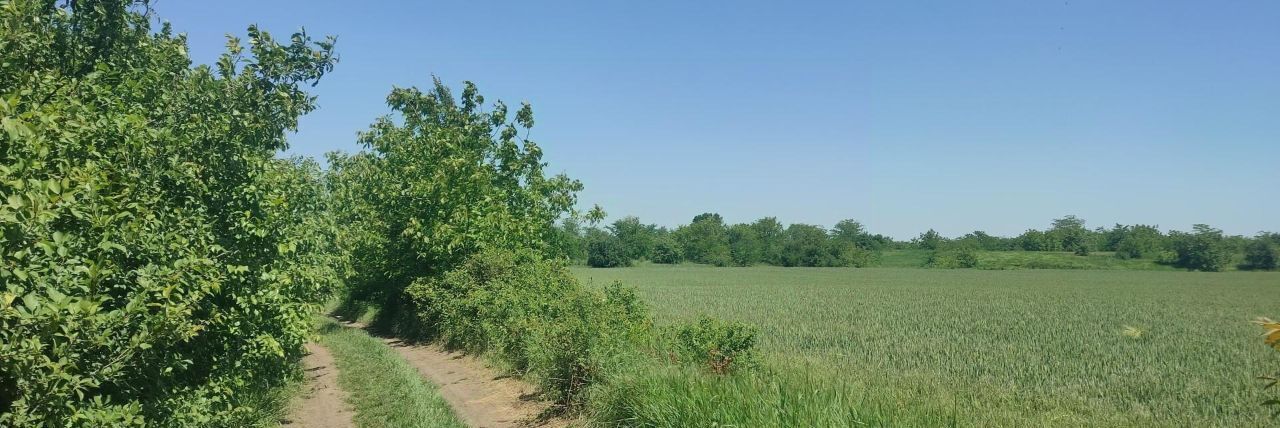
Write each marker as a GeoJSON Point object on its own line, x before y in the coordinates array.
{"type": "Point", "coordinates": [997, 115]}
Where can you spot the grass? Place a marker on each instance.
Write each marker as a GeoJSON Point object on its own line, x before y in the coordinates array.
{"type": "Point", "coordinates": [384, 389]}
{"type": "Point", "coordinates": [925, 347]}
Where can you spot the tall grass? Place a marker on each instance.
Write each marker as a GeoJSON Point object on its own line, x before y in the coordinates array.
{"type": "Point", "coordinates": [924, 347]}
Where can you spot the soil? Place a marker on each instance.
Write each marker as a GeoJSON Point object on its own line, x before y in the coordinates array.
{"type": "Point", "coordinates": [322, 404]}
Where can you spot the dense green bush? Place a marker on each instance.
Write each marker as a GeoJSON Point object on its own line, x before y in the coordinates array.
{"type": "Point", "coordinates": [666, 251]}
{"type": "Point", "coordinates": [1202, 249]}
{"type": "Point", "coordinates": [956, 258]}
{"type": "Point", "coordinates": [1260, 255]}
{"type": "Point", "coordinates": [606, 251]}
{"type": "Point", "coordinates": [719, 346]}
{"type": "Point", "coordinates": [532, 314]}
{"type": "Point", "coordinates": [158, 265]}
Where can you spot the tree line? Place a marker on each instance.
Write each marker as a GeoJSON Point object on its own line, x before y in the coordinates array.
{"type": "Point", "coordinates": [708, 239]}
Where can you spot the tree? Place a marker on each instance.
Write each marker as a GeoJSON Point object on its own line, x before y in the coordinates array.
{"type": "Point", "coordinates": [1034, 240]}
{"type": "Point", "coordinates": [666, 250]}
{"type": "Point", "coordinates": [852, 232]}
{"type": "Point", "coordinates": [705, 240]}
{"type": "Point", "coordinates": [1203, 249]}
{"type": "Point", "coordinates": [929, 240]}
{"type": "Point", "coordinates": [159, 262]}
{"type": "Point", "coordinates": [983, 241]}
{"type": "Point", "coordinates": [568, 242]}
{"type": "Point", "coordinates": [605, 250]}
{"type": "Point", "coordinates": [1137, 241]}
{"type": "Point", "coordinates": [810, 246]}
{"type": "Point", "coordinates": [744, 245]}
{"type": "Point", "coordinates": [635, 237]}
{"type": "Point", "coordinates": [1261, 253]}
{"type": "Point", "coordinates": [771, 235]}
{"type": "Point", "coordinates": [1069, 234]}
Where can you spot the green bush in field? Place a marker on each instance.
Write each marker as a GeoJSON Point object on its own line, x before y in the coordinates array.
{"type": "Point", "coordinates": [719, 346]}
{"type": "Point", "coordinates": [532, 314]}
{"type": "Point", "coordinates": [957, 258]}
{"type": "Point", "coordinates": [158, 264]}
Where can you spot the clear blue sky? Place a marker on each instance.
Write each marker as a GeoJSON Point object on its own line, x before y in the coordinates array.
{"type": "Point", "coordinates": [996, 115]}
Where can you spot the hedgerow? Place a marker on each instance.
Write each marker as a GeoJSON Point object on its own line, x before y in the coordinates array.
{"type": "Point", "coordinates": [158, 264]}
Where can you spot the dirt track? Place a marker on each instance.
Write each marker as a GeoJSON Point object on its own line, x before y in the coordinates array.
{"type": "Point", "coordinates": [322, 404]}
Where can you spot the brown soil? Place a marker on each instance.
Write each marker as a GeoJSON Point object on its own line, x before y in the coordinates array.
{"type": "Point", "coordinates": [322, 404]}
{"type": "Point", "coordinates": [480, 396]}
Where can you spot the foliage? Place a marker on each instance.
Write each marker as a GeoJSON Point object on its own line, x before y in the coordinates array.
{"type": "Point", "coordinates": [532, 314]}
{"type": "Point", "coordinates": [1137, 241]}
{"type": "Point", "coordinates": [745, 248]}
{"type": "Point", "coordinates": [957, 258]}
{"type": "Point", "coordinates": [929, 240]}
{"type": "Point", "coordinates": [636, 237]}
{"type": "Point", "coordinates": [442, 181]}
{"type": "Point", "coordinates": [809, 245]}
{"type": "Point", "coordinates": [1202, 249]}
{"type": "Point", "coordinates": [705, 240]}
{"type": "Point", "coordinates": [771, 235]}
{"type": "Point", "coordinates": [606, 251]}
{"type": "Point", "coordinates": [158, 264]}
{"type": "Point", "coordinates": [721, 346]}
{"type": "Point", "coordinates": [666, 251]}
{"type": "Point", "coordinates": [1261, 254]}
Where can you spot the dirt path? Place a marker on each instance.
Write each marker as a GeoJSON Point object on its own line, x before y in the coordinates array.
{"type": "Point", "coordinates": [322, 404]}
{"type": "Point", "coordinates": [481, 396]}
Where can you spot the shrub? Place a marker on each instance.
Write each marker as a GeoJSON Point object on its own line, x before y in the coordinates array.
{"type": "Point", "coordinates": [721, 346]}
{"type": "Point", "coordinates": [1260, 255]}
{"type": "Point", "coordinates": [960, 258]}
{"type": "Point", "coordinates": [1203, 249]}
{"type": "Point", "coordinates": [666, 251]}
{"type": "Point", "coordinates": [158, 263]}
{"type": "Point", "coordinates": [532, 314]}
{"type": "Point", "coordinates": [606, 251]}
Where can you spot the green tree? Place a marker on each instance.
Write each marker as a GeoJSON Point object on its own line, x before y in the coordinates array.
{"type": "Point", "coordinates": [1069, 234]}
{"type": "Point", "coordinates": [445, 178]}
{"type": "Point", "coordinates": [810, 246]}
{"type": "Point", "coordinates": [1138, 241]}
{"type": "Point", "coordinates": [1203, 249]}
{"type": "Point", "coordinates": [158, 263]}
{"type": "Point", "coordinates": [635, 237]}
{"type": "Point", "coordinates": [666, 250]}
{"type": "Point", "coordinates": [1261, 253]}
{"type": "Point", "coordinates": [705, 240]}
{"type": "Point", "coordinates": [771, 235]}
{"type": "Point", "coordinates": [745, 247]}
{"type": "Point", "coordinates": [605, 250]}
{"type": "Point", "coordinates": [929, 240]}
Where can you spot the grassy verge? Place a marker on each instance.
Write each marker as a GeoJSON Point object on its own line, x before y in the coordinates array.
{"type": "Point", "coordinates": [384, 390]}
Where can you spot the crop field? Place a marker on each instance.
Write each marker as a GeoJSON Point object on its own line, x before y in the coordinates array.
{"type": "Point", "coordinates": [997, 348]}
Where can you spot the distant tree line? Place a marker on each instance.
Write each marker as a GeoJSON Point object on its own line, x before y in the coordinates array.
{"type": "Point", "coordinates": [708, 239]}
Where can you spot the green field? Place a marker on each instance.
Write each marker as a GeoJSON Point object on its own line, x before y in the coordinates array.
{"type": "Point", "coordinates": [998, 348]}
